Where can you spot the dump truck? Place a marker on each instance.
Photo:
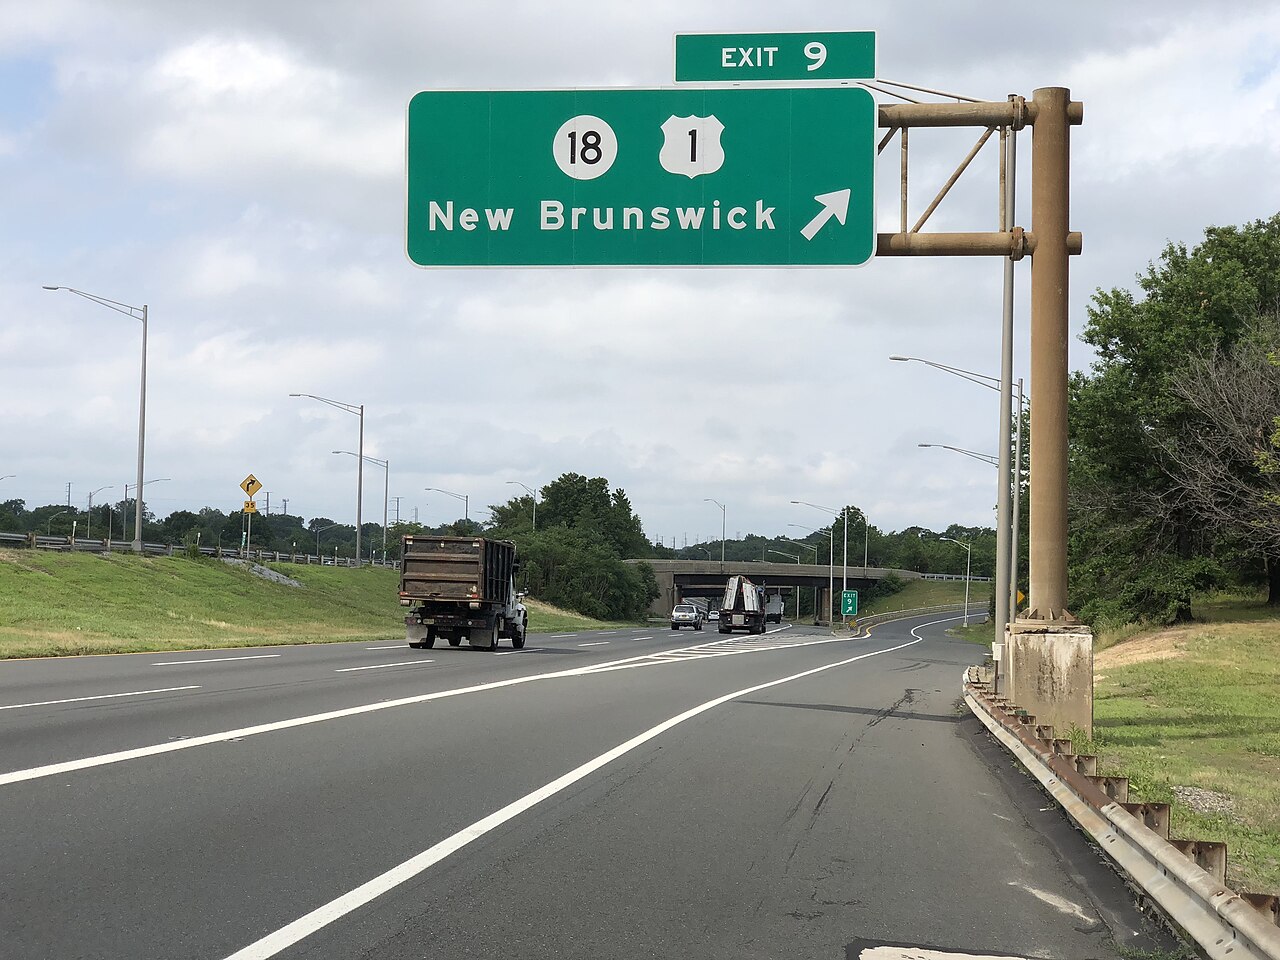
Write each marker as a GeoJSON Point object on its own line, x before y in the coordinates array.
{"type": "Point", "coordinates": [742, 607]}
{"type": "Point", "coordinates": [461, 589]}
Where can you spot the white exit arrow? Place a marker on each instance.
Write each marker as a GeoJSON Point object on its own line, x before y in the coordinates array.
{"type": "Point", "coordinates": [834, 204]}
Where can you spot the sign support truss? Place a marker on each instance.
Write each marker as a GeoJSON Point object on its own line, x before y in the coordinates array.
{"type": "Point", "coordinates": [1050, 113]}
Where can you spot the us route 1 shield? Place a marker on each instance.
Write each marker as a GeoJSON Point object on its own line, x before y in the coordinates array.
{"type": "Point", "coordinates": [684, 177]}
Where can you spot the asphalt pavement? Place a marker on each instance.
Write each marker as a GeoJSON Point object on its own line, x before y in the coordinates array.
{"type": "Point", "coordinates": [622, 794]}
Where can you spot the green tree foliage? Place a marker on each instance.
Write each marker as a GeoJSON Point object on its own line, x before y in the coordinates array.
{"type": "Point", "coordinates": [574, 558]}
{"type": "Point", "coordinates": [1139, 546]}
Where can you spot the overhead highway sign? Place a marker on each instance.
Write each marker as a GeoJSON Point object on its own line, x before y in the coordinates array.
{"type": "Point", "coordinates": [672, 177]}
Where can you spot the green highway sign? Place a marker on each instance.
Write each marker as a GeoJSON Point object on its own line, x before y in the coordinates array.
{"type": "Point", "coordinates": [849, 603]}
{"type": "Point", "coordinates": [846, 55]}
{"type": "Point", "coordinates": [674, 177]}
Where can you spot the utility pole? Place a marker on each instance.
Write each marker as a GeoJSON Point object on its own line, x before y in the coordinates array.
{"type": "Point", "coordinates": [397, 500]}
{"type": "Point", "coordinates": [285, 501]}
{"type": "Point", "coordinates": [68, 493]}
{"type": "Point", "coordinates": [268, 501]}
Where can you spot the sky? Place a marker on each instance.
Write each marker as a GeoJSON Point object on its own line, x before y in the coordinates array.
{"type": "Point", "coordinates": [239, 168]}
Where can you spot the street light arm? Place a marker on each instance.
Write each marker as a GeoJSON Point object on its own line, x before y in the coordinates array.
{"type": "Point", "coordinates": [127, 309]}
{"type": "Point", "coordinates": [348, 407]}
{"type": "Point", "coordinates": [381, 463]}
{"type": "Point", "coordinates": [984, 457]}
{"type": "Point", "coordinates": [981, 379]}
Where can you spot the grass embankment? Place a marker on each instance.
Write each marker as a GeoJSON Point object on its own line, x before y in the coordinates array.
{"type": "Point", "coordinates": [924, 593]}
{"type": "Point", "coordinates": [56, 604]}
{"type": "Point", "coordinates": [1191, 715]}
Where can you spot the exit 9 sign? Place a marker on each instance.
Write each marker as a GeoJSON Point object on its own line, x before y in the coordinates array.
{"type": "Point", "coordinates": [741, 57]}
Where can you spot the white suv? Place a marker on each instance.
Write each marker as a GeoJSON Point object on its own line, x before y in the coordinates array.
{"type": "Point", "coordinates": [686, 615]}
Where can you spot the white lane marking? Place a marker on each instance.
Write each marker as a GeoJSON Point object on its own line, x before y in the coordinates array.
{"type": "Point", "coordinates": [103, 696]}
{"type": "Point", "coordinates": [380, 666]}
{"type": "Point", "coordinates": [304, 926]}
{"type": "Point", "coordinates": [921, 953]}
{"type": "Point", "coordinates": [642, 638]}
{"type": "Point", "coordinates": [171, 746]}
{"type": "Point", "coordinates": [561, 636]}
{"type": "Point", "coordinates": [388, 646]}
{"type": "Point", "coordinates": [174, 663]}
{"type": "Point", "coordinates": [594, 643]}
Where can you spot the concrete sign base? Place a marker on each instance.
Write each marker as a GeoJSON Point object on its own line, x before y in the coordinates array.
{"type": "Point", "coordinates": [1048, 672]}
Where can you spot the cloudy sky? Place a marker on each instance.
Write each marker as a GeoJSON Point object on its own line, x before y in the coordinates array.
{"type": "Point", "coordinates": [239, 167]}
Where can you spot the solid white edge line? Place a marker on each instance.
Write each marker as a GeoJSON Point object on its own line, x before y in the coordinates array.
{"type": "Point", "coordinates": [594, 643]}
{"type": "Point", "coordinates": [103, 696]}
{"type": "Point", "coordinates": [309, 923]}
{"type": "Point", "coordinates": [381, 666]}
{"type": "Point", "coordinates": [174, 663]}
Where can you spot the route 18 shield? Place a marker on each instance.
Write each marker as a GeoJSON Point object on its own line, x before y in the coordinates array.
{"type": "Point", "coordinates": [691, 145]}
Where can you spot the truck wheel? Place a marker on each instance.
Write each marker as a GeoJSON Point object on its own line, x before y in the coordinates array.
{"type": "Point", "coordinates": [517, 639]}
{"type": "Point", "coordinates": [674, 627]}
{"type": "Point", "coordinates": [454, 640]}
{"type": "Point", "coordinates": [431, 639]}
{"type": "Point", "coordinates": [493, 636]}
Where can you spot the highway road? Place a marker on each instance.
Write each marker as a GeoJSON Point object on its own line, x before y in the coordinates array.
{"type": "Point", "coordinates": [611, 794]}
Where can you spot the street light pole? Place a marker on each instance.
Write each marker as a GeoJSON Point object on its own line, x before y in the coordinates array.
{"type": "Point", "coordinates": [320, 530]}
{"type": "Point", "coordinates": [534, 495]}
{"type": "Point", "coordinates": [88, 526]}
{"type": "Point", "coordinates": [386, 490]}
{"type": "Point", "coordinates": [465, 498]}
{"type": "Point", "coordinates": [967, 561]}
{"type": "Point", "coordinates": [722, 527]}
{"type": "Point", "coordinates": [138, 313]}
{"type": "Point", "coordinates": [831, 574]}
{"type": "Point", "coordinates": [124, 507]}
{"type": "Point", "coordinates": [357, 410]}
{"type": "Point", "coordinates": [49, 527]}
{"type": "Point", "coordinates": [1007, 531]}
{"type": "Point", "coordinates": [832, 577]}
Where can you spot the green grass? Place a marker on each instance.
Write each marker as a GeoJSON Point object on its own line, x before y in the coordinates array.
{"type": "Point", "coordinates": [925, 593]}
{"type": "Point", "coordinates": [1208, 716]}
{"type": "Point", "coordinates": [56, 604]}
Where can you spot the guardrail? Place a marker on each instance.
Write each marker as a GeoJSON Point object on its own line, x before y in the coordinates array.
{"type": "Point", "coordinates": [1185, 878]}
{"type": "Point", "coordinates": [81, 545]}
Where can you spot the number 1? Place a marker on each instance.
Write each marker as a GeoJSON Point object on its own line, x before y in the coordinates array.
{"type": "Point", "coordinates": [693, 145]}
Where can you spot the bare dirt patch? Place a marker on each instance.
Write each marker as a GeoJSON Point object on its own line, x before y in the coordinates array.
{"type": "Point", "coordinates": [1168, 644]}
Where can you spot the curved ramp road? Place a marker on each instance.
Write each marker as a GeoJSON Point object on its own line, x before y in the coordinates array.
{"type": "Point", "coordinates": [612, 794]}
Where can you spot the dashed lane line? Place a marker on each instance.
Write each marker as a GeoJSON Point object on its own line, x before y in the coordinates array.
{"type": "Point", "coordinates": [175, 663]}
{"type": "Point", "coordinates": [101, 696]}
{"type": "Point", "coordinates": [383, 666]}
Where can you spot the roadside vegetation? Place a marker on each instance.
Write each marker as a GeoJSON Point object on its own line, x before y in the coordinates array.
{"type": "Point", "coordinates": [63, 604]}
{"type": "Point", "coordinates": [1191, 714]}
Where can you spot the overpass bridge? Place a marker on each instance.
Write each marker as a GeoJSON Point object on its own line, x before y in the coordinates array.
{"type": "Point", "coordinates": [681, 579]}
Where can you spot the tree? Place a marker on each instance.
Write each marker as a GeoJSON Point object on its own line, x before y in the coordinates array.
{"type": "Point", "coordinates": [1222, 465]}
{"type": "Point", "coordinates": [1139, 546]}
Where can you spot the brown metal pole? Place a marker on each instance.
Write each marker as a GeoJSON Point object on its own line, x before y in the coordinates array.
{"type": "Point", "coordinates": [1050, 195]}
